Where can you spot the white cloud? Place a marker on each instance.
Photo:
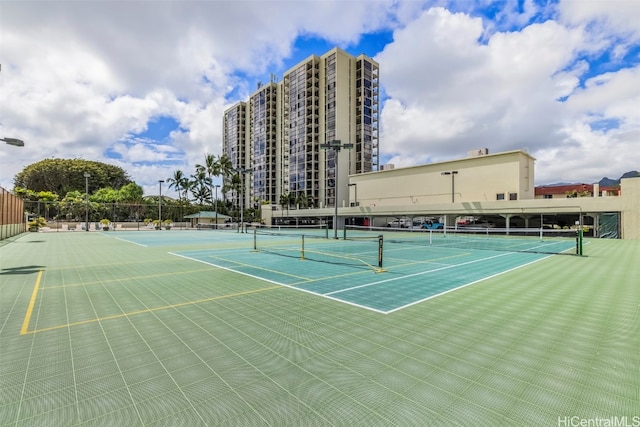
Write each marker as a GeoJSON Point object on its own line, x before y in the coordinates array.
{"type": "Point", "coordinates": [456, 91]}
{"type": "Point", "coordinates": [450, 93]}
{"type": "Point", "coordinates": [605, 16]}
{"type": "Point", "coordinates": [592, 153]}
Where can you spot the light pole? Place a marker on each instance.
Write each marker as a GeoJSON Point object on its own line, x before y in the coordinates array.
{"type": "Point", "coordinates": [453, 187]}
{"type": "Point", "coordinates": [216, 206]}
{"type": "Point", "coordinates": [86, 197]}
{"type": "Point", "coordinates": [160, 181]}
{"type": "Point", "coordinates": [242, 172]}
{"type": "Point", "coordinates": [336, 146]}
{"type": "Point", "coordinates": [13, 141]}
{"type": "Point", "coordinates": [355, 193]}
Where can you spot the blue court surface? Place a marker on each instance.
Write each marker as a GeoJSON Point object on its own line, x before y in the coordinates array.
{"type": "Point", "coordinates": [347, 271]}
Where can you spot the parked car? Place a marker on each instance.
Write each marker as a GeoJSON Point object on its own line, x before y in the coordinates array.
{"type": "Point", "coordinates": [417, 223]}
{"type": "Point", "coordinates": [465, 220]}
{"type": "Point", "coordinates": [433, 225]}
{"type": "Point", "coordinates": [400, 223]}
{"type": "Point", "coordinates": [427, 223]}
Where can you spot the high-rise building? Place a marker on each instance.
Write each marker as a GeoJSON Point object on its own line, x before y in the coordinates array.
{"type": "Point", "coordinates": [235, 137]}
{"type": "Point", "coordinates": [266, 151]}
{"type": "Point", "coordinates": [286, 124]}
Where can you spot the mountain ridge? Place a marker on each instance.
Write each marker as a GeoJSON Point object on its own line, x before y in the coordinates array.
{"type": "Point", "coordinates": [604, 182]}
{"type": "Point", "coordinates": [608, 182]}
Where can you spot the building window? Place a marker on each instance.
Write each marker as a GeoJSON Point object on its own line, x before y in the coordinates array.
{"type": "Point", "coordinates": [513, 196]}
{"type": "Point", "coordinates": [548, 196]}
{"type": "Point", "coordinates": [500, 196]}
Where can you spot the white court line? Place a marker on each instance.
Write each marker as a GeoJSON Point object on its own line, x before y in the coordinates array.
{"type": "Point", "coordinates": [278, 283]}
{"type": "Point", "coordinates": [464, 285]}
{"type": "Point", "coordinates": [417, 274]}
{"type": "Point", "coordinates": [330, 296]}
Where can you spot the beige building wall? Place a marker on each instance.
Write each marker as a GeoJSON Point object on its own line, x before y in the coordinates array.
{"type": "Point", "coordinates": [493, 177]}
{"type": "Point", "coordinates": [630, 207]}
{"type": "Point", "coordinates": [424, 191]}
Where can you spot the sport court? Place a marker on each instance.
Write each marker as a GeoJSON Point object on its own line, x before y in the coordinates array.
{"type": "Point", "coordinates": [115, 328]}
{"type": "Point", "coordinates": [413, 269]}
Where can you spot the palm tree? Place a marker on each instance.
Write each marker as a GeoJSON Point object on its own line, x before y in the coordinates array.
{"type": "Point", "coordinates": [199, 186]}
{"type": "Point", "coordinates": [225, 166]}
{"type": "Point", "coordinates": [180, 183]}
{"type": "Point", "coordinates": [177, 182]}
{"type": "Point", "coordinates": [211, 168]}
{"type": "Point", "coordinates": [286, 199]}
{"type": "Point", "coordinates": [305, 200]}
{"type": "Point", "coordinates": [225, 170]}
{"type": "Point", "coordinates": [236, 186]}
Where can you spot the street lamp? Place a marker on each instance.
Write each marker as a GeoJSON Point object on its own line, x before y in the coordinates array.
{"type": "Point", "coordinates": [216, 206]}
{"type": "Point", "coordinates": [242, 172]}
{"type": "Point", "coordinates": [13, 141]}
{"type": "Point", "coordinates": [160, 181]}
{"type": "Point", "coordinates": [355, 193]}
{"type": "Point", "coordinates": [453, 191]}
{"type": "Point", "coordinates": [86, 197]}
{"type": "Point", "coordinates": [336, 146]}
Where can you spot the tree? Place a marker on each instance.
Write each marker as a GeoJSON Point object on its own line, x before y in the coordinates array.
{"type": "Point", "coordinates": [180, 183]}
{"type": "Point", "coordinates": [47, 196]}
{"type": "Point", "coordinates": [211, 168]}
{"type": "Point", "coordinates": [25, 194]}
{"type": "Point", "coordinates": [226, 167]}
{"type": "Point", "coordinates": [235, 185]}
{"type": "Point", "coordinates": [199, 187]}
{"type": "Point", "coordinates": [49, 200]}
{"type": "Point", "coordinates": [130, 193]}
{"type": "Point", "coordinates": [576, 193]}
{"type": "Point", "coordinates": [73, 207]}
{"type": "Point", "coordinates": [226, 171]}
{"type": "Point", "coordinates": [105, 195]}
{"type": "Point", "coordinates": [61, 176]}
{"type": "Point", "coordinates": [286, 199]}
{"type": "Point", "coordinates": [34, 200]}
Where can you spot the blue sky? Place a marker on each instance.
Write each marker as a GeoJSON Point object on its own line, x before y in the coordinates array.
{"type": "Point", "coordinates": [143, 85]}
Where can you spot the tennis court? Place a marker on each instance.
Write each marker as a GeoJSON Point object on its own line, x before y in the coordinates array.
{"type": "Point", "coordinates": [416, 267]}
{"type": "Point", "coordinates": [198, 328]}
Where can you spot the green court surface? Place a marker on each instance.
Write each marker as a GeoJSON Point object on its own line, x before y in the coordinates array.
{"type": "Point", "coordinates": [349, 270]}
{"type": "Point", "coordinates": [195, 328]}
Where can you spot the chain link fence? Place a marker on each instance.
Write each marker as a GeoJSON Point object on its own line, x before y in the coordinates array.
{"type": "Point", "coordinates": [82, 215]}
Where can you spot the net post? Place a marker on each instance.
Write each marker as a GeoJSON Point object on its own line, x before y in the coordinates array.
{"type": "Point", "coordinates": [579, 242]}
{"type": "Point", "coordinates": [255, 240]}
{"type": "Point", "coordinates": [344, 233]}
{"type": "Point", "coordinates": [380, 250]}
{"type": "Point", "coordinates": [326, 230]}
{"type": "Point", "coordinates": [302, 248]}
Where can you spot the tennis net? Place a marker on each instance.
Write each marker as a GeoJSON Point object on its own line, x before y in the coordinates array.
{"type": "Point", "coordinates": [318, 230]}
{"type": "Point", "coordinates": [533, 240]}
{"type": "Point", "coordinates": [360, 252]}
